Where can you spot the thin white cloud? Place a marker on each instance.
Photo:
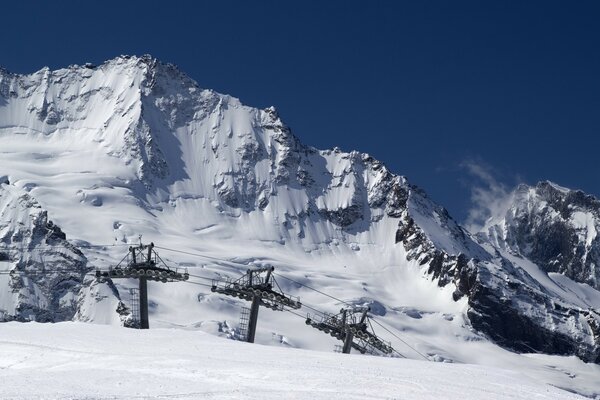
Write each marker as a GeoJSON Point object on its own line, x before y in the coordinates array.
{"type": "Point", "coordinates": [489, 197]}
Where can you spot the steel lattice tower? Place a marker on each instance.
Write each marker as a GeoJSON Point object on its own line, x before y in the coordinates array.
{"type": "Point", "coordinates": [351, 326]}
{"type": "Point", "coordinates": [144, 264]}
{"type": "Point", "coordinates": [258, 286]}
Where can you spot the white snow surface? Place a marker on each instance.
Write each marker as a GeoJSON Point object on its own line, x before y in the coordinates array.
{"type": "Point", "coordinates": [75, 360]}
{"type": "Point", "coordinates": [134, 147]}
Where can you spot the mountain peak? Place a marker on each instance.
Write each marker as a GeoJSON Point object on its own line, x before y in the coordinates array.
{"type": "Point", "coordinates": [561, 198]}
{"type": "Point", "coordinates": [549, 184]}
{"type": "Point", "coordinates": [146, 62]}
{"type": "Point", "coordinates": [553, 226]}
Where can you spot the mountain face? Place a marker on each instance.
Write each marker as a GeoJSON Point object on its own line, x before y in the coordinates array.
{"type": "Point", "coordinates": [44, 277]}
{"type": "Point", "coordinates": [170, 140]}
{"type": "Point", "coordinates": [554, 227]}
{"type": "Point", "coordinates": [511, 299]}
{"type": "Point", "coordinates": [134, 147]}
{"type": "Point", "coordinates": [46, 271]}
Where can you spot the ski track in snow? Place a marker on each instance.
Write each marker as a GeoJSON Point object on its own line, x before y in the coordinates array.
{"type": "Point", "coordinates": [82, 361]}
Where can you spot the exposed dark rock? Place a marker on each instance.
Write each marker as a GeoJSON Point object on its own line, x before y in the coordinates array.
{"type": "Point", "coordinates": [500, 297]}
{"type": "Point", "coordinates": [508, 326]}
{"type": "Point", "coordinates": [46, 272]}
{"type": "Point", "coordinates": [126, 316]}
{"type": "Point", "coordinates": [343, 216]}
{"type": "Point", "coordinates": [543, 224]}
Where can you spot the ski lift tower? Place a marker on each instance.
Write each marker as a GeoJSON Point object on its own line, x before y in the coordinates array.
{"type": "Point", "coordinates": [258, 286]}
{"type": "Point", "coordinates": [143, 263]}
{"type": "Point", "coordinates": [351, 326]}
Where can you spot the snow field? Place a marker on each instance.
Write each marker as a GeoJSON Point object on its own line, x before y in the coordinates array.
{"type": "Point", "coordinates": [83, 361]}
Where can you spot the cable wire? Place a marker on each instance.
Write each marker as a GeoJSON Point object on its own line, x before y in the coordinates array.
{"type": "Point", "coordinates": [400, 339]}
{"type": "Point", "coordinates": [202, 277]}
{"type": "Point", "coordinates": [311, 288]}
{"type": "Point", "coordinates": [202, 256]}
{"type": "Point", "coordinates": [205, 278]}
{"type": "Point", "coordinates": [295, 313]}
{"type": "Point", "coordinates": [312, 308]}
{"type": "Point", "coordinates": [58, 271]}
{"type": "Point", "coordinates": [197, 283]}
{"type": "Point", "coordinates": [49, 247]}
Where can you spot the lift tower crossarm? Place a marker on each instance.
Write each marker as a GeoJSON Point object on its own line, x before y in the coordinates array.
{"type": "Point", "coordinates": [144, 264]}
{"type": "Point", "coordinates": [258, 286]}
{"type": "Point", "coordinates": [350, 326]}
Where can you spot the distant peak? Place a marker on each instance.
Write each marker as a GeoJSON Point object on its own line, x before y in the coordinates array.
{"type": "Point", "coordinates": [133, 60]}
{"type": "Point", "coordinates": [549, 184]}
{"type": "Point", "coordinates": [143, 60]}
{"type": "Point", "coordinates": [272, 111]}
{"type": "Point", "coordinates": [147, 58]}
{"type": "Point", "coordinates": [543, 188]}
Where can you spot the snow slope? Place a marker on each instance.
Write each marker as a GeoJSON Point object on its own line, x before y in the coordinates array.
{"type": "Point", "coordinates": [157, 151]}
{"type": "Point", "coordinates": [71, 360]}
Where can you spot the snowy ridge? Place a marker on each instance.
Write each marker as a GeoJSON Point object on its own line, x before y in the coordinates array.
{"type": "Point", "coordinates": [190, 147]}
{"type": "Point", "coordinates": [554, 227]}
{"type": "Point", "coordinates": [510, 303]}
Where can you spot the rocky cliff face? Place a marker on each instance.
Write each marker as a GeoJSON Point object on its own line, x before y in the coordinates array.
{"type": "Point", "coordinates": [512, 305]}
{"type": "Point", "coordinates": [554, 227]}
{"type": "Point", "coordinates": [42, 271]}
{"type": "Point", "coordinates": [43, 276]}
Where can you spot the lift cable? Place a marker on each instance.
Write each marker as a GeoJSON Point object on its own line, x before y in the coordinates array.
{"type": "Point", "coordinates": [316, 290]}
{"type": "Point", "coordinates": [197, 283]}
{"type": "Point", "coordinates": [204, 256]}
{"type": "Point", "coordinates": [342, 301]}
{"type": "Point", "coordinates": [303, 304]}
{"type": "Point", "coordinates": [312, 308]}
{"type": "Point", "coordinates": [211, 279]}
{"type": "Point", "coordinates": [295, 313]}
{"type": "Point", "coordinates": [49, 247]}
{"type": "Point", "coordinates": [201, 277]}
{"type": "Point", "coordinates": [283, 277]}
{"type": "Point", "coordinates": [403, 341]}
{"type": "Point", "coordinates": [37, 273]}
{"type": "Point", "coordinates": [48, 272]}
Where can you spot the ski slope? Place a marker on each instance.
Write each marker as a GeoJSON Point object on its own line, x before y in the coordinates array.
{"type": "Point", "coordinates": [84, 361]}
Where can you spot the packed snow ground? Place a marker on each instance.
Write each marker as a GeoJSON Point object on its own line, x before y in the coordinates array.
{"type": "Point", "coordinates": [83, 361]}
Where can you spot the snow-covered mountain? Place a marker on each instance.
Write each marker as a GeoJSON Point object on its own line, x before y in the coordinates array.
{"type": "Point", "coordinates": [172, 145]}
{"type": "Point", "coordinates": [135, 147]}
{"type": "Point", "coordinates": [43, 276]}
{"type": "Point", "coordinates": [552, 226]}
{"type": "Point", "coordinates": [36, 246]}
{"type": "Point", "coordinates": [510, 299]}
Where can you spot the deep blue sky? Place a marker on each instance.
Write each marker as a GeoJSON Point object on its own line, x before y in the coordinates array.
{"type": "Point", "coordinates": [425, 86]}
